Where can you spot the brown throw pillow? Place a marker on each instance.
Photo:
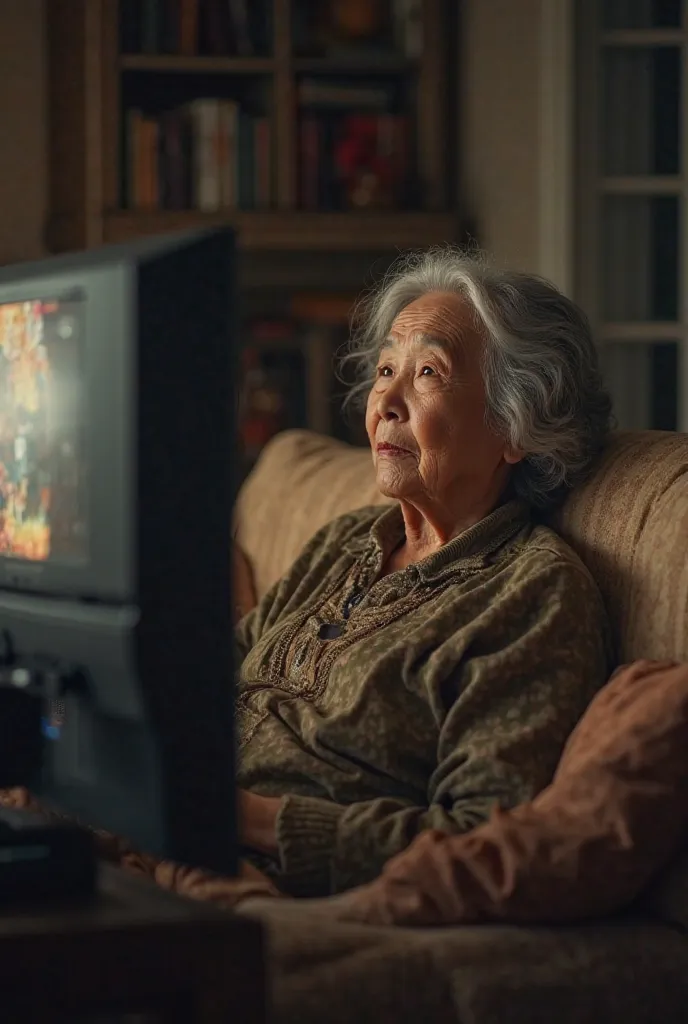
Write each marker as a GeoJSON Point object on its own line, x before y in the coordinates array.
{"type": "Point", "coordinates": [614, 814]}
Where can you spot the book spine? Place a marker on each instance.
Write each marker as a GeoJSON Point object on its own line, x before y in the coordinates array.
{"type": "Point", "coordinates": [143, 183]}
{"type": "Point", "coordinates": [310, 145]}
{"type": "Point", "coordinates": [187, 130]}
{"type": "Point", "coordinates": [150, 26]}
{"type": "Point", "coordinates": [204, 115]}
{"type": "Point", "coordinates": [188, 27]}
{"type": "Point", "coordinates": [241, 26]}
{"type": "Point", "coordinates": [171, 17]}
{"type": "Point", "coordinates": [129, 27]}
{"type": "Point", "coordinates": [133, 164]}
{"type": "Point", "coordinates": [228, 131]}
{"type": "Point", "coordinates": [246, 164]}
{"type": "Point", "coordinates": [171, 162]}
{"type": "Point", "coordinates": [212, 28]}
{"type": "Point", "coordinates": [402, 157]}
{"type": "Point", "coordinates": [154, 164]}
{"type": "Point", "coordinates": [164, 174]}
{"type": "Point", "coordinates": [327, 191]}
{"type": "Point", "coordinates": [263, 162]}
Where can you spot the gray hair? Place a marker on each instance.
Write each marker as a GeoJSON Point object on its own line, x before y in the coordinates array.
{"type": "Point", "coordinates": [543, 385]}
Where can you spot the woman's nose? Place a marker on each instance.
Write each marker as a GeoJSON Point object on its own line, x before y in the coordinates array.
{"type": "Point", "coordinates": [391, 404]}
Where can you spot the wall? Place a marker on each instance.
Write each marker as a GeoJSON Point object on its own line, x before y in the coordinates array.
{"type": "Point", "coordinates": [500, 127]}
{"type": "Point", "coordinates": [499, 105]}
{"type": "Point", "coordinates": [22, 130]}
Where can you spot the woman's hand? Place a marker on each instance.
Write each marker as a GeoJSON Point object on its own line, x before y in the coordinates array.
{"type": "Point", "coordinates": [258, 821]}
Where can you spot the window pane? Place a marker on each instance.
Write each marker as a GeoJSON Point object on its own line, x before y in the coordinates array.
{"type": "Point", "coordinates": [642, 379]}
{"type": "Point", "coordinates": [640, 110]}
{"type": "Point", "coordinates": [641, 13]}
{"type": "Point", "coordinates": [639, 258]}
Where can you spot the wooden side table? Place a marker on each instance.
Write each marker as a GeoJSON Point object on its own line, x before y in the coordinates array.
{"type": "Point", "coordinates": [133, 949]}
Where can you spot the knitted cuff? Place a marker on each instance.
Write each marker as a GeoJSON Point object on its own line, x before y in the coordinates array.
{"type": "Point", "coordinates": [306, 840]}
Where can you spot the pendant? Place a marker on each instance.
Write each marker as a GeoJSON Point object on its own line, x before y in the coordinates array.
{"type": "Point", "coordinates": [330, 631]}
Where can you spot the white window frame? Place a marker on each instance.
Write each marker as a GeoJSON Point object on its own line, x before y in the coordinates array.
{"type": "Point", "coordinates": [591, 186]}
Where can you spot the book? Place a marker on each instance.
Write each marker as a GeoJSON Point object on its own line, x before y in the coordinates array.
{"type": "Point", "coordinates": [239, 12]}
{"type": "Point", "coordinates": [263, 163]}
{"type": "Point", "coordinates": [171, 26]}
{"type": "Point", "coordinates": [174, 190]}
{"type": "Point", "coordinates": [193, 27]}
{"type": "Point", "coordinates": [228, 142]}
{"type": "Point", "coordinates": [353, 159]}
{"type": "Point", "coordinates": [245, 163]}
{"type": "Point", "coordinates": [129, 26]}
{"type": "Point", "coordinates": [205, 122]}
{"type": "Point", "coordinates": [135, 172]}
{"type": "Point", "coordinates": [188, 27]}
{"type": "Point", "coordinates": [215, 28]}
{"type": "Point", "coordinates": [342, 93]}
{"type": "Point", "coordinates": [152, 168]}
{"type": "Point", "coordinates": [206, 155]}
{"type": "Point", "coordinates": [310, 162]}
{"type": "Point", "coordinates": [151, 26]}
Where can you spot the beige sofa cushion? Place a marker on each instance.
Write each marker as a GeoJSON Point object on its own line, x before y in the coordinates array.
{"type": "Point", "coordinates": [301, 482]}
{"type": "Point", "coordinates": [629, 523]}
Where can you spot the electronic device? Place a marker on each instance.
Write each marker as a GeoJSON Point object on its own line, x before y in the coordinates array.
{"type": "Point", "coordinates": [116, 494]}
{"type": "Point", "coordinates": [42, 861]}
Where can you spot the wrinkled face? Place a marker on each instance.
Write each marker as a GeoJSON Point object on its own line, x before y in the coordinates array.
{"type": "Point", "coordinates": [426, 411]}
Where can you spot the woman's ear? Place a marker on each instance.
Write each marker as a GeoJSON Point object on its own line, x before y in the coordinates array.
{"type": "Point", "coordinates": [513, 455]}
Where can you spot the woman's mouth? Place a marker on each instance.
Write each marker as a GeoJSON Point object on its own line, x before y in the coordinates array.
{"type": "Point", "coordinates": [384, 448]}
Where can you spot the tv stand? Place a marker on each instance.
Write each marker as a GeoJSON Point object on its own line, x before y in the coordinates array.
{"type": "Point", "coordinates": [133, 948]}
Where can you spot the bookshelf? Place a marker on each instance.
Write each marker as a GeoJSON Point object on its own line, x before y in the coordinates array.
{"type": "Point", "coordinates": [309, 238]}
{"type": "Point", "coordinates": [296, 86]}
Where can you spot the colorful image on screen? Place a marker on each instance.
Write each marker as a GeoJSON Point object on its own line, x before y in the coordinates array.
{"type": "Point", "coordinates": [42, 514]}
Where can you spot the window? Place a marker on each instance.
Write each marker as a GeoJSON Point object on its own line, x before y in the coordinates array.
{"type": "Point", "coordinates": [632, 203]}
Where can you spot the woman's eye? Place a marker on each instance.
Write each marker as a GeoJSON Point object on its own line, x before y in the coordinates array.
{"type": "Point", "coordinates": [426, 371]}
{"type": "Point", "coordinates": [384, 371]}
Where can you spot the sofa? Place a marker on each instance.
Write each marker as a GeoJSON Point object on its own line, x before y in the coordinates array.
{"type": "Point", "coordinates": [629, 524]}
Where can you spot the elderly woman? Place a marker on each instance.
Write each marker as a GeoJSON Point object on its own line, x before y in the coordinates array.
{"type": "Point", "coordinates": [423, 662]}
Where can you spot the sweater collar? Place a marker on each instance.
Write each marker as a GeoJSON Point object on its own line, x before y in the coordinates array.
{"type": "Point", "coordinates": [472, 548]}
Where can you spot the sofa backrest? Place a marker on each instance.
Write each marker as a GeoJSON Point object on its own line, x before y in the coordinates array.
{"type": "Point", "coordinates": [628, 522]}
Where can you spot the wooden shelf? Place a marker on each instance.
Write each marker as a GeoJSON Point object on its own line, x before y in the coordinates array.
{"type": "Point", "coordinates": [643, 331]}
{"type": "Point", "coordinates": [197, 65]}
{"type": "Point", "coordinates": [644, 37]}
{"type": "Point", "coordinates": [377, 231]}
{"type": "Point", "coordinates": [92, 87]}
{"type": "Point", "coordinates": [643, 185]}
{"type": "Point", "coordinates": [390, 64]}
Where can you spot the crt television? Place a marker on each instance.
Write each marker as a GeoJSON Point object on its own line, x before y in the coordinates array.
{"type": "Point", "coordinates": [116, 492]}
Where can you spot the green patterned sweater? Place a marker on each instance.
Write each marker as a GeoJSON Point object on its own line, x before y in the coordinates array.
{"type": "Point", "coordinates": [379, 707]}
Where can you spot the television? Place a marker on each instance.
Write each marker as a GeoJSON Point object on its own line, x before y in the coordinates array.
{"type": "Point", "coordinates": [116, 494]}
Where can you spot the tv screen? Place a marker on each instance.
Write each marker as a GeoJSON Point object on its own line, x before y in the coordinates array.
{"type": "Point", "coordinates": [43, 511]}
